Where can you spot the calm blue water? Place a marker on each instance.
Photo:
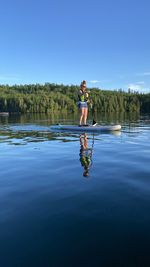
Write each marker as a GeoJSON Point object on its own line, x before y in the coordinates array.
{"type": "Point", "coordinates": [74, 200]}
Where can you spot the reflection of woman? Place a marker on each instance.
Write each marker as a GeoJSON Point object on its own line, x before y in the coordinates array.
{"type": "Point", "coordinates": [85, 154]}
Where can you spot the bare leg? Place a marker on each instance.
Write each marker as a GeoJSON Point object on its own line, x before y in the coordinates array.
{"type": "Point", "coordinates": [85, 115]}
{"type": "Point", "coordinates": [81, 115]}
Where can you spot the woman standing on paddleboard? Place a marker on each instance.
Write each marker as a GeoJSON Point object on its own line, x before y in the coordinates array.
{"type": "Point", "coordinates": [82, 104]}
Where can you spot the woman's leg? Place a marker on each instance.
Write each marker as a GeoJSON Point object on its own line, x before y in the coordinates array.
{"type": "Point", "coordinates": [85, 115]}
{"type": "Point", "coordinates": [81, 110]}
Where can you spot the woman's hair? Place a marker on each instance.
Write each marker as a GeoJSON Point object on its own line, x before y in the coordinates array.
{"type": "Point", "coordinates": [83, 83]}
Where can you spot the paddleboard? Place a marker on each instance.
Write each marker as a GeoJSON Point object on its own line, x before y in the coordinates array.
{"type": "Point", "coordinates": [90, 128]}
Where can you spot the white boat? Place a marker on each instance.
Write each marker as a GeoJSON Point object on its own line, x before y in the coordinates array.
{"type": "Point", "coordinates": [4, 113]}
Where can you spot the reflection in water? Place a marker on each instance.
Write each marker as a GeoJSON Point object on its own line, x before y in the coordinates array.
{"type": "Point", "coordinates": [48, 119]}
{"type": "Point", "coordinates": [86, 153]}
{"type": "Point", "coordinates": [25, 134]}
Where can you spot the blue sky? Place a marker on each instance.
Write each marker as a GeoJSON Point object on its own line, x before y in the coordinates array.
{"type": "Point", "coordinates": [105, 42]}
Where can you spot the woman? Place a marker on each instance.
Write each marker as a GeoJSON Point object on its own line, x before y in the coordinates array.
{"type": "Point", "coordinates": [82, 104]}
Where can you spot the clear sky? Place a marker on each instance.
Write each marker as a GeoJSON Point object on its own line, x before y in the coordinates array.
{"type": "Point", "coordinates": [105, 42]}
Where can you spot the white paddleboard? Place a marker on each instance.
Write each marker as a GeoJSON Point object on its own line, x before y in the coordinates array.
{"type": "Point", "coordinates": [90, 128]}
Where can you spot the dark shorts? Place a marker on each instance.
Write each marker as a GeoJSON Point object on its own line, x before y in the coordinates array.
{"type": "Point", "coordinates": [82, 105]}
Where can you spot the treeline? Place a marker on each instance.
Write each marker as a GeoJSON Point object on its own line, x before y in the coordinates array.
{"type": "Point", "coordinates": [47, 98]}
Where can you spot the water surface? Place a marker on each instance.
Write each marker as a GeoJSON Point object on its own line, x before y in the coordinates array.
{"type": "Point", "coordinates": [70, 199]}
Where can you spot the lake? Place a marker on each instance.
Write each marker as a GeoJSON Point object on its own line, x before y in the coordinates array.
{"type": "Point", "coordinates": [71, 199]}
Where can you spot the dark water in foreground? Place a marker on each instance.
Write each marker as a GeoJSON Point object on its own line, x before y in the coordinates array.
{"type": "Point", "coordinates": [62, 205]}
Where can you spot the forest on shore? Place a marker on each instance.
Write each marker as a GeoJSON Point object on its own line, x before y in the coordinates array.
{"type": "Point", "coordinates": [55, 98]}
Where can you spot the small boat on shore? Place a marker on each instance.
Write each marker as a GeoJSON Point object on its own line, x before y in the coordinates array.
{"type": "Point", "coordinates": [4, 113]}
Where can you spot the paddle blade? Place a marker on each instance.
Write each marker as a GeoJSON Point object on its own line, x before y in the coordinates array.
{"type": "Point", "coordinates": [94, 123]}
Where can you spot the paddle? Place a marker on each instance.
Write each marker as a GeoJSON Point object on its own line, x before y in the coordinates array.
{"type": "Point", "coordinates": [94, 123]}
